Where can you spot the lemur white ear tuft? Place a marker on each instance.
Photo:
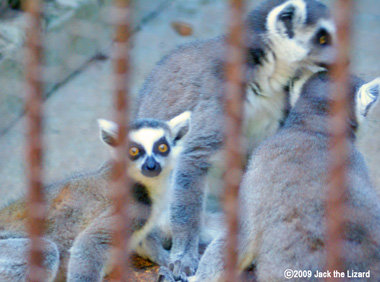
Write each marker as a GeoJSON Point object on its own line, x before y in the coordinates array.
{"type": "Point", "coordinates": [108, 132]}
{"type": "Point", "coordinates": [180, 125]}
{"type": "Point", "coordinates": [367, 96]}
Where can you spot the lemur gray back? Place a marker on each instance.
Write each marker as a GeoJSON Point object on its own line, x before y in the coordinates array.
{"type": "Point", "coordinates": [282, 198]}
{"type": "Point", "coordinates": [281, 37]}
{"type": "Point", "coordinates": [291, 192]}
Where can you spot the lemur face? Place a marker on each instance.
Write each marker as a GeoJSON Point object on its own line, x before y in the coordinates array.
{"type": "Point", "coordinates": [153, 144]}
{"type": "Point", "coordinates": [150, 149]}
{"type": "Point", "coordinates": [301, 31]}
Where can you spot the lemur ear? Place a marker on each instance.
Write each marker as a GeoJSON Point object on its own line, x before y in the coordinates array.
{"type": "Point", "coordinates": [287, 16]}
{"type": "Point", "coordinates": [108, 132]}
{"type": "Point", "coordinates": [283, 18]}
{"type": "Point", "coordinates": [180, 125]}
{"type": "Point", "coordinates": [367, 96]}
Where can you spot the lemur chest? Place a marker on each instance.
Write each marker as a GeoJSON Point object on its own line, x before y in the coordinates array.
{"type": "Point", "coordinates": [264, 109]}
{"type": "Point", "coordinates": [152, 197]}
{"type": "Point", "coordinates": [265, 101]}
{"type": "Point", "coordinates": [261, 119]}
{"type": "Point", "coordinates": [262, 115]}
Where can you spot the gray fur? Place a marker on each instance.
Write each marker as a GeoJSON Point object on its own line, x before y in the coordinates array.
{"type": "Point", "coordinates": [80, 221]}
{"type": "Point", "coordinates": [282, 198]}
{"type": "Point", "coordinates": [191, 78]}
{"type": "Point", "coordinates": [13, 259]}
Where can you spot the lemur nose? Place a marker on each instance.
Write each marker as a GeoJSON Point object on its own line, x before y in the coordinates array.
{"type": "Point", "coordinates": [151, 167]}
{"type": "Point", "coordinates": [151, 164]}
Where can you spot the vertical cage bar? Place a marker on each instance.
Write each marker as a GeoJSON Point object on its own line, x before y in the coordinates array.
{"type": "Point", "coordinates": [234, 109]}
{"type": "Point", "coordinates": [34, 140]}
{"type": "Point", "coordinates": [339, 131]}
{"type": "Point", "coordinates": [120, 191]}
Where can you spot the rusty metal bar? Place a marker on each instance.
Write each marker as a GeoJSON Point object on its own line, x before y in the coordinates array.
{"type": "Point", "coordinates": [34, 142]}
{"type": "Point", "coordinates": [339, 131]}
{"type": "Point", "coordinates": [234, 109]}
{"type": "Point", "coordinates": [120, 191]}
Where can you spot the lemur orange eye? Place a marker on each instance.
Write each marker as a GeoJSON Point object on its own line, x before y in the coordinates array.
{"type": "Point", "coordinates": [133, 151]}
{"type": "Point", "coordinates": [163, 148]}
{"type": "Point", "coordinates": [322, 40]}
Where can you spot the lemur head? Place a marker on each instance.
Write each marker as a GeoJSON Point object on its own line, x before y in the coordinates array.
{"type": "Point", "coordinates": [296, 31]}
{"type": "Point", "coordinates": [315, 96]}
{"type": "Point", "coordinates": [153, 144]}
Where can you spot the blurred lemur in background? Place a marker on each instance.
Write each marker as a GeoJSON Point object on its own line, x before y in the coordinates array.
{"type": "Point", "coordinates": [281, 37]}
{"type": "Point", "coordinates": [79, 216]}
{"type": "Point", "coordinates": [283, 195]}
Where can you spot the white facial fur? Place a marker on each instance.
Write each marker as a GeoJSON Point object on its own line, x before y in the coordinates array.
{"type": "Point", "coordinates": [146, 137]}
{"type": "Point", "coordinates": [292, 50]}
{"type": "Point", "coordinates": [297, 48]}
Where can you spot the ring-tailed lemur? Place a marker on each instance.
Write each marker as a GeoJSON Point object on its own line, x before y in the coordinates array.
{"type": "Point", "coordinates": [282, 198]}
{"type": "Point", "coordinates": [282, 36]}
{"type": "Point", "coordinates": [79, 217]}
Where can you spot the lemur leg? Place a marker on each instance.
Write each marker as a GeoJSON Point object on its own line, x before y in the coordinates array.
{"type": "Point", "coordinates": [14, 259]}
{"type": "Point", "coordinates": [212, 267]}
{"type": "Point", "coordinates": [90, 251]}
{"type": "Point", "coordinates": [189, 182]}
{"type": "Point", "coordinates": [186, 211]}
{"type": "Point", "coordinates": [151, 247]}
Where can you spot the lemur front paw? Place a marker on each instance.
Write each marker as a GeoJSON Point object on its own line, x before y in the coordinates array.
{"type": "Point", "coordinates": [180, 272]}
{"type": "Point", "coordinates": [187, 264]}
{"type": "Point", "coordinates": [166, 275]}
